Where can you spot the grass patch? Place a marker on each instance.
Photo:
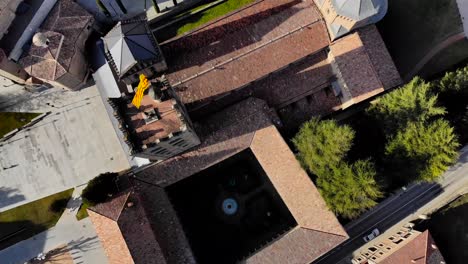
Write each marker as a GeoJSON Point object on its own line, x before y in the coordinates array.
{"type": "Point", "coordinates": [82, 213]}
{"type": "Point", "coordinates": [10, 121]}
{"type": "Point", "coordinates": [194, 10]}
{"type": "Point", "coordinates": [212, 14]}
{"type": "Point", "coordinates": [450, 231]}
{"type": "Point", "coordinates": [30, 219]}
{"type": "Point", "coordinates": [199, 19]}
{"type": "Point", "coordinates": [411, 28]}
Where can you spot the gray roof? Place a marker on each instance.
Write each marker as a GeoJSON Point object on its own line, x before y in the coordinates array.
{"type": "Point", "coordinates": [361, 9]}
{"type": "Point", "coordinates": [130, 42]}
{"type": "Point", "coordinates": [106, 82]}
{"type": "Point", "coordinates": [338, 30]}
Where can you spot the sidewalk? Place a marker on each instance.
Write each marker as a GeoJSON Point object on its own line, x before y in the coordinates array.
{"type": "Point", "coordinates": [79, 236]}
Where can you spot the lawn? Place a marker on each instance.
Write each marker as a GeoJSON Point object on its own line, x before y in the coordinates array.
{"type": "Point", "coordinates": [450, 231]}
{"type": "Point", "coordinates": [10, 121]}
{"type": "Point", "coordinates": [194, 21]}
{"type": "Point", "coordinates": [30, 219]}
{"type": "Point", "coordinates": [82, 213]}
{"type": "Point", "coordinates": [212, 14]}
{"type": "Point", "coordinates": [412, 27]}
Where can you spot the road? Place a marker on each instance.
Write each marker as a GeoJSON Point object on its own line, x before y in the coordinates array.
{"type": "Point", "coordinates": [403, 207]}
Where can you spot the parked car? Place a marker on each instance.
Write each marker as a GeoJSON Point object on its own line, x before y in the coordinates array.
{"type": "Point", "coordinates": [372, 235]}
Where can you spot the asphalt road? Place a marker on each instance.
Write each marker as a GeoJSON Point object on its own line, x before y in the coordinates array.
{"type": "Point", "coordinates": [402, 208]}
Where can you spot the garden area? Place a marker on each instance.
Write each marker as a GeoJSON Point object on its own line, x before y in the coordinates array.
{"type": "Point", "coordinates": [10, 121]}
{"type": "Point", "coordinates": [412, 133]}
{"type": "Point", "coordinates": [197, 17]}
{"type": "Point", "coordinates": [30, 219]}
{"type": "Point", "coordinates": [411, 28]}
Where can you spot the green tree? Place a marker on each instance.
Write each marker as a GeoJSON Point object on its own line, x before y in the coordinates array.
{"type": "Point", "coordinates": [454, 81]}
{"type": "Point", "coordinates": [423, 151]}
{"type": "Point", "coordinates": [349, 190]}
{"type": "Point", "coordinates": [322, 144]}
{"type": "Point", "coordinates": [453, 94]}
{"type": "Point", "coordinates": [413, 102]}
{"type": "Point", "coordinates": [100, 189]}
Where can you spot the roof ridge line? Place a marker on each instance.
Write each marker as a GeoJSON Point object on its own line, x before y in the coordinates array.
{"type": "Point", "coordinates": [120, 210]}
{"type": "Point", "coordinates": [136, 43]}
{"type": "Point", "coordinates": [196, 75]}
{"type": "Point", "coordinates": [321, 231]}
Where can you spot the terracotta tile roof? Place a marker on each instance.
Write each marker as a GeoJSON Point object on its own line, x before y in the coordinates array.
{"type": "Point", "coordinates": [170, 119]}
{"type": "Point", "coordinates": [63, 27]}
{"type": "Point", "coordinates": [292, 182]}
{"type": "Point", "coordinates": [125, 232]}
{"type": "Point", "coordinates": [379, 56]}
{"type": "Point", "coordinates": [138, 233]}
{"type": "Point", "coordinates": [165, 223]}
{"type": "Point", "coordinates": [218, 143]}
{"type": "Point", "coordinates": [421, 250]}
{"type": "Point", "coordinates": [244, 47]}
{"type": "Point", "coordinates": [113, 207]}
{"type": "Point", "coordinates": [111, 239]}
{"type": "Point", "coordinates": [356, 68]}
{"type": "Point", "coordinates": [300, 79]}
{"type": "Point", "coordinates": [300, 245]}
{"type": "Point", "coordinates": [320, 103]}
{"type": "Point", "coordinates": [248, 127]}
{"type": "Point", "coordinates": [42, 62]}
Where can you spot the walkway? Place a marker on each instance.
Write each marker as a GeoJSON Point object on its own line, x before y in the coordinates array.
{"type": "Point", "coordinates": [79, 236]}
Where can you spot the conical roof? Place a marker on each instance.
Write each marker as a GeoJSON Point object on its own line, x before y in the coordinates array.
{"type": "Point", "coordinates": [361, 9]}
{"type": "Point", "coordinates": [129, 43]}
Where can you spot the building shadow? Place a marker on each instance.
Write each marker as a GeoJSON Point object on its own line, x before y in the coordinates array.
{"type": "Point", "coordinates": [72, 249]}
{"type": "Point", "coordinates": [187, 50]}
{"type": "Point", "coordinates": [16, 231]}
{"type": "Point", "coordinates": [9, 196]}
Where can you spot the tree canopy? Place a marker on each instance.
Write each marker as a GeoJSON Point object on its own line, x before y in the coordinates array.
{"type": "Point", "coordinates": [322, 144]}
{"type": "Point", "coordinates": [424, 151]}
{"type": "Point", "coordinates": [454, 81]}
{"type": "Point", "coordinates": [453, 94]}
{"type": "Point", "coordinates": [100, 189]}
{"type": "Point", "coordinates": [419, 146]}
{"type": "Point", "coordinates": [348, 189]}
{"type": "Point", "coordinates": [413, 102]}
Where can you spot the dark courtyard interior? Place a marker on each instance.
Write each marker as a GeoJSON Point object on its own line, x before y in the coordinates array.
{"type": "Point", "coordinates": [230, 210]}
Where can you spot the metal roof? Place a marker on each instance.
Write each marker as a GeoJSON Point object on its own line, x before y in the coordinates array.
{"type": "Point", "coordinates": [106, 82]}
{"type": "Point", "coordinates": [130, 42]}
{"type": "Point", "coordinates": [361, 9]}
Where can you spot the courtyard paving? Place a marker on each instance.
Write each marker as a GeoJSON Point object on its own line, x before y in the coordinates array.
{"type": "Point", "coordinates": [74, 143]}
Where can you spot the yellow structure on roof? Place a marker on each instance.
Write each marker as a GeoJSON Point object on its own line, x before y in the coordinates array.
{"type": "Point", "coordinates": [142, 86]}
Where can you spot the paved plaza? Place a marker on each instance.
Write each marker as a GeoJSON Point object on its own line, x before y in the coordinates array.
{"type": "Point", "coordinates": [71, 145]}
